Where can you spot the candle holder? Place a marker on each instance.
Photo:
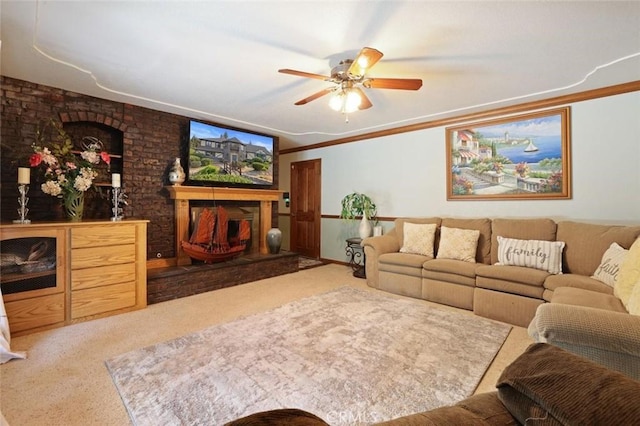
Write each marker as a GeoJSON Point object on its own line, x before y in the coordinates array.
{"type": "Point", "coordinates": [118, 197]}
{"type": "Point", "coordinates": [22, 203]}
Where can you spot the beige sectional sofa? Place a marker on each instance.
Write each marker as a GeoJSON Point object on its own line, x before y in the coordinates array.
{"type": "Point", "coordinates": [505, 293]}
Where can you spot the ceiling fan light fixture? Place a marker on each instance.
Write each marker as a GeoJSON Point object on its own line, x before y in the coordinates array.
{"type": "Point", "coordinates": [345, 101]}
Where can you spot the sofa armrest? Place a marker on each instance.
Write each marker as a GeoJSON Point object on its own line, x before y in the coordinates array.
{"type": "Point", "coordinates": [548, 385]}
{"type": "Point", "coordinates": [609, 338]}
{"type": "Point", "coordinates": [374, 247]}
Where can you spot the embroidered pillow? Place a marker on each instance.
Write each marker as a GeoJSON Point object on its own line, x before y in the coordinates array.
{"type": "Point", "coordinates": [458, 244]}
{"type": "Point", "coordinates": [537, 254]}
{"type": "Point", "coordinates": [609, 267]}
{"type": "Point", "coordinates": [418, 238]}
{"type": "Point", "coordinates": [629, 277]}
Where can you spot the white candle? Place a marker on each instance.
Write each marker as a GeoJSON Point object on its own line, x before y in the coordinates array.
{"type": "Point", "coordinates": [24, 175]}
{"type": "Point", "coordinates": [115, 180]}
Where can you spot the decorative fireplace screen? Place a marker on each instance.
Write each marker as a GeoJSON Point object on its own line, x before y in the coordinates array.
{"type": "Point", "coordinates": [28, 264]}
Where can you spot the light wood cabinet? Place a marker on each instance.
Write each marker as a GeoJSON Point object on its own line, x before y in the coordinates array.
{"type": "Point", "coordinates": [100, 270]}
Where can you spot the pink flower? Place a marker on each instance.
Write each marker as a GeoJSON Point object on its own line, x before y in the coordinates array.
{"type": "Point", "coordinates": [71, 166]}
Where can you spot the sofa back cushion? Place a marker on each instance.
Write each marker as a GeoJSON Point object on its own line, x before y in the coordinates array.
{"type": "Point", "coordinates": [399, 225]}
{"type": "Point", "coordinates": [521, 229]}
{"type": "Point", "coordinates": [587, 242]}
{"type": "Point", "coordinates": [483, 253]}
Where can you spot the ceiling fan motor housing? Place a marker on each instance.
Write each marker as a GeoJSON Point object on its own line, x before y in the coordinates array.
{"type": "Point", "coordinates": [340, 72]}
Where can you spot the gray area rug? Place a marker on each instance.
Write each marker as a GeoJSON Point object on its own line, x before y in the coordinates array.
{"type": "Point", "coordinates": [349, 356]}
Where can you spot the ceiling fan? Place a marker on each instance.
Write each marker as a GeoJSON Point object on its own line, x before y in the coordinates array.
{"type": "Point", "coordinates": [348, 78]}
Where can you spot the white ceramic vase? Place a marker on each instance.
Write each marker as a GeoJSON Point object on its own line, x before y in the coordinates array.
{"type": "Point", "coordinates": [364, 230]}
{"type": "Point", "coordinates": [176, 174]}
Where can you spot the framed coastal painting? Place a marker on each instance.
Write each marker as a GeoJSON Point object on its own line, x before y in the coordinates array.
{"type": "Point", "coordinates": [526, 156]}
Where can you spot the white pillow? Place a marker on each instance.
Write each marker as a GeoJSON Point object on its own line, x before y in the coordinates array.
{"type": "Point", "coordinates": [544, 255]}
{"type": "Point", "coordinates": [418, 238]}
{"type": "Point", "coordinates": [458, 244]}
{"type": "Point", "coordinates": [628, 280]}
{"type": "Point", "coordinates": [609, 267]}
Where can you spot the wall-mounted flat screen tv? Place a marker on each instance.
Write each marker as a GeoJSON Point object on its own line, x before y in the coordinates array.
{"type": "Point", "coordinates": [223, 156]}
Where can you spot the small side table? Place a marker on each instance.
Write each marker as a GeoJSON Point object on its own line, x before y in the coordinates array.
{"type": "Point", "coordinates": [357, 259]}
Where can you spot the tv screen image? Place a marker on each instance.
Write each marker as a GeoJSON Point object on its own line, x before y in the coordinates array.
{"type": "Point", "coordinates": [221, 156]}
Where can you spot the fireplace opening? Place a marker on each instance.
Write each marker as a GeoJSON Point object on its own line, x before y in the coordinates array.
{"type": "Point", "coordinates": [238, 237]}
{"type": "Point", "coordinates": [28, 264]}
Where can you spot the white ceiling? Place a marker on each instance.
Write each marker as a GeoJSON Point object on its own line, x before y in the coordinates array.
{"type": "Point", "coordinates": [218, 60]}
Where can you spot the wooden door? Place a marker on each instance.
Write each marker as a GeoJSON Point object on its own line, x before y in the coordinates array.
{"type": "Point", "coordinates": [305, 207]}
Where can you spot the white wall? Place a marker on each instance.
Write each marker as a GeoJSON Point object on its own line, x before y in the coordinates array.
{"type": "Point", "coordinates": [405, 175]}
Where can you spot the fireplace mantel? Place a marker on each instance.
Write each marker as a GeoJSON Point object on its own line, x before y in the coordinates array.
{"type": "Point", "coordinates": [183, 194]}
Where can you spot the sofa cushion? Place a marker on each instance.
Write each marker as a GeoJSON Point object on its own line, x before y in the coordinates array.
{"type": "Point", "coordinates": [512, 279]}
{"type": "Point", "coordinates": [554, 282]}
{"type": "Point", "coordinates": [458, 244]}
{"type": "Point", "coordinates": [518, 274]}
{"type": "Point", "coordinates": [402, 259]}
{"type": "Point", "coordinates": [399, 225]}
{"type": "Point", "coordinates": [591, 299]}
{"type": "Point", "coordinates": [483, 250]}
{"type": "Point", "coordinates": [629, 277]}
{"type": "Point", "coordinates": [521, 229]}
{"type": "Point", "coordinates": [419, 238]}
{"type": "Point", "coordinates": [547, 382]}
{"type": "Point", "coordinates": [402, 263]}
{"type": "Point", "coordinates": [607, 271]}
{"type": "Point", "coordinates": [451, 266]}
{"type": "Point", "coordinates": [586, 243]}
{"type": "Point", "coordinates": [537, 254]}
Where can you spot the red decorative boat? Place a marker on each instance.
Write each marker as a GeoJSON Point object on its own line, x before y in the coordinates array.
{"type": "Point", "coordinates": [209, 240]}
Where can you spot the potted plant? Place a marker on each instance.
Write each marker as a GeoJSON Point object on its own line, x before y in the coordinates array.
{"type": "Point", "coordinates": [358, 204]}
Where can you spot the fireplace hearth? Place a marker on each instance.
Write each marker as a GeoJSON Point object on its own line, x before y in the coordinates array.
{"type": "Point", "coordinates": [181, 281]}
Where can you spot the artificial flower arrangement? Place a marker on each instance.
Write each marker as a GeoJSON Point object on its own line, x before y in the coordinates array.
{"type": "Point", "coordinates": [68, 174]}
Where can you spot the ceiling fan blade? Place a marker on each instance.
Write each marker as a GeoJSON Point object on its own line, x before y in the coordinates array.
{"type": "Point", "coordinates": [367, 58]}
{"type": "Point", "coordinates": [315, 96]}
{"type": "Point", "coordinates": [305, 74]}
{"type": "Point", "coordinates": [393, 83]}
{"type": "Point", "coordinates": [365, 103]}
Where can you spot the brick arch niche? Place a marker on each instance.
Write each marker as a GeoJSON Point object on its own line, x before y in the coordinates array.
{"type": "Point", "coordinates": [111, 132]}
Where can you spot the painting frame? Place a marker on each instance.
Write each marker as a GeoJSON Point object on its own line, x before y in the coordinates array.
{"type": "Point", "coordinates": [519, 157]}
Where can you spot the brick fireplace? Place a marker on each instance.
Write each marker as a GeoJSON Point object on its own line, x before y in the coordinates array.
{"type": "Point", "coordinates": [186, 279]}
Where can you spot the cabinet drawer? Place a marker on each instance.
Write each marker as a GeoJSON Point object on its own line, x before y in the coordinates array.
{"type": "Point", "coordinates": [92, 301]}
{"type": "Point", "coordinates": [103, 275]}
{"type": "Point", "coordinates": [101, 256]}
{"type": "Point", "coordinates": [26, 314]}
{"type": "Point", "coordinates": [98, 236]}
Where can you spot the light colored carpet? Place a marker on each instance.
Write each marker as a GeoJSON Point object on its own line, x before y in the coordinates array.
{"type": "Point", "coordinates": [64, 380]}
{"type": "Point", "coordinates": [349, 356]}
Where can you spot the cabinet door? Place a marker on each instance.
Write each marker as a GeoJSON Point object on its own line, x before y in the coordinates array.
{"type": "Point", "coordinates": [20, 277]}
{"type": "Point", "coordinates": [35, 312]}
